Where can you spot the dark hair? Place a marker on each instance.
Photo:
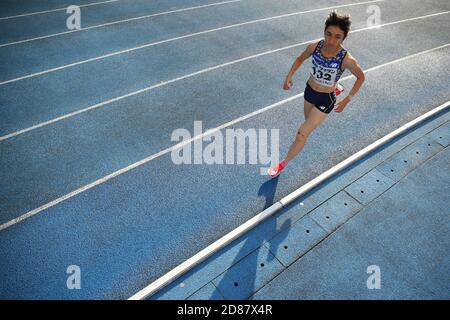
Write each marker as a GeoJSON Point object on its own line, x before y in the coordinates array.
{"type": "Point", "coordinates": [342, 21]}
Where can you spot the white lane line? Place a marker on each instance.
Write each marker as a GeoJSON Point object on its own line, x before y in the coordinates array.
{"type": "Point", "coordinates": [117, 22]}
{"type": "Point", "coordinates": [181, 144]}
{"type": "Point", "coordinates": [112, 54]}
{"type": "Point", "coordinates": [187, 265]}
{"type": "Point", "coordinates": [53, 10]}
{"type": "Point", "coordinates": [98, 105]}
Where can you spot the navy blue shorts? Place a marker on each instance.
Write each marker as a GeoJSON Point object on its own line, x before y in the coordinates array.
{"type": "Point", "coordinates": [321, 100]}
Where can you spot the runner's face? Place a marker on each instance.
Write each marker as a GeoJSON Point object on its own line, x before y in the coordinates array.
{"type": "Point", "coordinates": [334, 36]}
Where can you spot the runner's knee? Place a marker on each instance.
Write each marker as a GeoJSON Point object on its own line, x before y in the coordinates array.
{"type": "Point", "coordinates": [302, 134]}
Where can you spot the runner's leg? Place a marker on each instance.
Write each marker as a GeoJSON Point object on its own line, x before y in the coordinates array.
{"type": "Point", "coordinates": [307, 107]}
{"type": "Point", "coordinates": [314, 119]}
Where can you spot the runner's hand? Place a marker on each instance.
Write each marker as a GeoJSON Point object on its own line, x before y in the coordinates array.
{"type": "Point", "coordinates": [339, 106]}
{"type": "Point", "coordinates": [288, 84]}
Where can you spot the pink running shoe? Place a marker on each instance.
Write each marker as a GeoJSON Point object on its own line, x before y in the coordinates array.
{"type": "Point", "coordinates": [276, 169]}
{"type": "Point", "coordinates": [339, 89]}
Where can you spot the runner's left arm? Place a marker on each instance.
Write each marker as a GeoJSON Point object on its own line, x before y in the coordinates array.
{"type": "Point", "coordinates": [352, 65]}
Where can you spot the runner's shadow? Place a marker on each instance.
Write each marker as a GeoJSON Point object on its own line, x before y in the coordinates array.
{"type": "Point", "coordinates": [244, 277]}
{"type": "Point", "coordinates": [268, 190]}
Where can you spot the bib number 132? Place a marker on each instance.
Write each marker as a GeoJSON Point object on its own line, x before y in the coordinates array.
{"type": "Point", "coordinates": [319, 74]}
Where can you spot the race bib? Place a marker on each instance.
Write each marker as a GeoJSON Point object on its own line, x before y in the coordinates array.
{"type": "Point", "coordinates": [323, 75]}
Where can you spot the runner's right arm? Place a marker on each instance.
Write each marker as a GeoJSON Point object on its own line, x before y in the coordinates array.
{"type": "Point", "coordinates": [298, 62]}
